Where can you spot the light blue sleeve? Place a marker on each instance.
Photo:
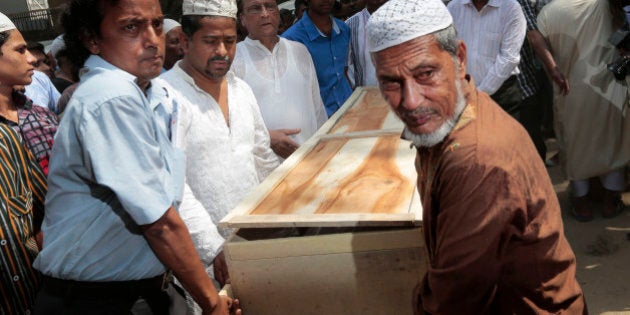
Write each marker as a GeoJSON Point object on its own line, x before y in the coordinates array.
{"type": "Point", "coordinates": [43, 92]}
{"type": "Point", "coordinates": [119, 143]}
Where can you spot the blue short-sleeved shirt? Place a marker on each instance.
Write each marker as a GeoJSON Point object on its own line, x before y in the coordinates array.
{"type": "Point", "coordinates": [329, 56]}
{"type": "Point", "coordinates": [112, 169]}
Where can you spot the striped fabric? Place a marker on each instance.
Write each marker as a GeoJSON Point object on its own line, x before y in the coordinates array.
{"type": "Point", "coordinates": [527, 78]}
{"type": "Point", "coordinates": [22, 192]}
{"type": "Point", "coordinates": [37, 127]}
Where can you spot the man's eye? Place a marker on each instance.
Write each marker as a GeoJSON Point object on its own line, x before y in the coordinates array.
{"type": "Point", "coordinates": [390, 85]}
{"type": "Point", "coordinates": [158, 24]}
{"type": "Point", "coordinates": [131, 27]}
{"type": "Point", "coordinates": [425, 75]}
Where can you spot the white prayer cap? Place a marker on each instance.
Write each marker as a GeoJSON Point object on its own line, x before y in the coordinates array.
{"type": "Point", "coordinates": [399, 21]}
{"type": "Point", "coordinates": [169, 25]}
{"type": "Point", "coordinates": [5, 23]}
{"type": "Point", "coordinates": [225, 8]}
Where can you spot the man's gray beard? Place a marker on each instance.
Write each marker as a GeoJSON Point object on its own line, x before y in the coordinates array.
{"type": "Point", "coordinates": [437, 136]}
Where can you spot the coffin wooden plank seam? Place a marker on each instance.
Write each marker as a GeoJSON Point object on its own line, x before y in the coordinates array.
{"type": "Point", "coordinates": [243, 215]}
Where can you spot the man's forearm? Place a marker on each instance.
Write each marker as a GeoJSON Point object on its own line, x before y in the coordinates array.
{"type": "Point", "coordinates": [171, 242]}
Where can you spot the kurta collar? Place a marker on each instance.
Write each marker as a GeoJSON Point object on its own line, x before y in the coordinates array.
{"type": "Point", "coordinates": [229, 76]}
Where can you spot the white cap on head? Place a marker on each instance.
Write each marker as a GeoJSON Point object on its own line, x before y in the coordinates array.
{"type": "Point", "coordinates": [5, 23]}
{"type": "Point", "coordinates": [169, 25]}
{"type": "Point", "coordinates": [225, 8]}
{"type": "Point", "coordinates": [399, 21]}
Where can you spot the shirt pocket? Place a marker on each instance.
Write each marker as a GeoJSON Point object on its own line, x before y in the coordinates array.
{"type": "Point", "coordinates": [490, 44]}
{"type": "Point", "coordinates": [20, 205]}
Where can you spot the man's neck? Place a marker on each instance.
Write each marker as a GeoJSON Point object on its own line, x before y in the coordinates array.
{"type": "Point", "coordinates": [268, 41]}
{"type": "Point", "coordinates": [322, 21]}
{"type": "Point", "coordinates": [479, 4]}
{"type": "Point", "coordinates": [8, 108]}
{"type": "Point", "coordinates": [211, 86]}
{"type": "Point", "coordinates": [143, 84]}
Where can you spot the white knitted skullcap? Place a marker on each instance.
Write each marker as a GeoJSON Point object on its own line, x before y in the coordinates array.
{"type": "Point", "coordinates": [169, 25]}
{"type": "Point", "coordinates": [225, 8]}
{"type": "Point", "coordinates": [399, 21]}
{"type": "Point", "coordinates": [5, 23]}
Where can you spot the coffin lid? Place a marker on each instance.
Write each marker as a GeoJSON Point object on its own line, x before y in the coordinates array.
{"type": "Point", "coordinates": [355, 171]}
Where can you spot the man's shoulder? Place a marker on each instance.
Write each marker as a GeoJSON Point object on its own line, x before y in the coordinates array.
{"type": "Point", "coordinates": [297, 32]}
{"type": "Point", "coordinates": [176, 78]}
{"type": "Point", "coordinates": [294, 45]}
{"type": "Point", "coordinates": [102, 87]}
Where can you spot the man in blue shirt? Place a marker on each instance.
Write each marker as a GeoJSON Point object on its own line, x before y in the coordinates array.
{"type": "Point", "coordinates": [327, 39]}
{"type": "Point", "coordinates": [112, 227]}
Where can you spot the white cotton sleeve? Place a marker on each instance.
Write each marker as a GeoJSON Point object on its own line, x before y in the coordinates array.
{"type": "Point", "coordinates": [205, 236]}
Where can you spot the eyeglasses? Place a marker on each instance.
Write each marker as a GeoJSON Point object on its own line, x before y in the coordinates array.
{"type": "Point", "coordinates": [258, 8]}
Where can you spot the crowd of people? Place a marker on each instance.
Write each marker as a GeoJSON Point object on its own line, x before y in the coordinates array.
{"type": "Point", "coordinates": [124, 143]}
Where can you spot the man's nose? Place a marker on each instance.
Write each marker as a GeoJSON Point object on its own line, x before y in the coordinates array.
{"type": "Point", "coordinates": [413, 95]}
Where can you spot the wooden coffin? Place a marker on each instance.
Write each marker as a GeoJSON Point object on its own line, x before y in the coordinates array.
{"type": "Point", "coordinates": [336, 229]}
{"type": "Point", "coordinates": [355, 171]}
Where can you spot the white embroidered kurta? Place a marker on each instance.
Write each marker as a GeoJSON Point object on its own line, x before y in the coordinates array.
{"type": "Point", "coordinates": [284, 82]}
{"type": "Point", "coordinates": [224, 163]}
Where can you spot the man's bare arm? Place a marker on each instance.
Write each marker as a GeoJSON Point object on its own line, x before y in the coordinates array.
{"type": "Point", "coordinates": [542, 50]}
{"type": "Point", "coordinates": [171, 242]}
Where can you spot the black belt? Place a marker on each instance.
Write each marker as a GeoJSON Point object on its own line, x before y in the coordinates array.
{"type": "Point", "coordinates": [61, 287]}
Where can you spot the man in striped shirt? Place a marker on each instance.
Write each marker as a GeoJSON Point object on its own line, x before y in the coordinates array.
{"type": "Point", "coordinates": [22, 191]}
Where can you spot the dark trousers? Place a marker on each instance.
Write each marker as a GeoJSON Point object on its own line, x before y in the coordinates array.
{"type": "Point", "coordinates": [531, 118]}
{"type": "Point", "coordinates": [509, 97]}
{"type": "Point", "coordinates": [528, 112]}
{"type": "Point", "coordinates": [93, 298]}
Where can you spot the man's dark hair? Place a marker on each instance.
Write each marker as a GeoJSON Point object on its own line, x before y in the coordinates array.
{"type": "Point", "coordinates": [4, 36]}
{"type": "Point", "coordinates": [191, 24]}
{"type": "Point", "coordinates": [35, 46]}
{"type": "Point", "coordinates": [82, 20]}
{"type": "Point", "coordinates": [62, 57]}
{"type": "Point", "coordinates": [298, 3]}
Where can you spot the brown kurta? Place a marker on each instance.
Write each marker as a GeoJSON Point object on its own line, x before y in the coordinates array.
{"type": "Point", "coordinates": [492, 221]}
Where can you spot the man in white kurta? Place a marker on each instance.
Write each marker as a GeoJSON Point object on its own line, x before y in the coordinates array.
{"type": "Point", "coordinates": [591, 122]}
{"type": "Point", "coordinates": [223, 162]}
{"type": "Point", "coordinates": [282, 76]}
{"type": "Point", "coordinates": [226, 142]}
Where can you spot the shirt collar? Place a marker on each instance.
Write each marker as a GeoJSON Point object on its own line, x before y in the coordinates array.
{"type": "Point", "coordinates": [312, 30]}
{"type": "Point", "coordinates": [491, 3]}
{"type": "Point", "coordinates": [154, 93]}
{"type": "Point", "coordinates": [94, 62]}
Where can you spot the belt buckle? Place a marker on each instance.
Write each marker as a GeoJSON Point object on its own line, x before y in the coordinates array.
{"type": "Point", "coordinates": [166, 279]}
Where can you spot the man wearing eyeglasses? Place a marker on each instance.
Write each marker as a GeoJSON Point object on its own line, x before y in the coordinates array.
{"type": "Point", "coordinates": [281, 74]}
{"type": "Point", "coordinates": [327, 39]}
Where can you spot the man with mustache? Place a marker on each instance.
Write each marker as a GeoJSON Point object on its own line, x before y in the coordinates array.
{"type": "Point", "coordinates": [227, 144]}
{"type": "Point", "coordinates": [116, 181]}
{"type": "Point", "coordinates": [492, 224]}
{"type": "Point", "coordinates": [281, 74]}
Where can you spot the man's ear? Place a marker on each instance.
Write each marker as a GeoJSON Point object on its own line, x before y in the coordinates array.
{"type": "Point", "coordinates": [90, 42]}
{"type": "Point", "coordinates": [461, 58]}
{"type": "Point", "coordinates": [185, 41]}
